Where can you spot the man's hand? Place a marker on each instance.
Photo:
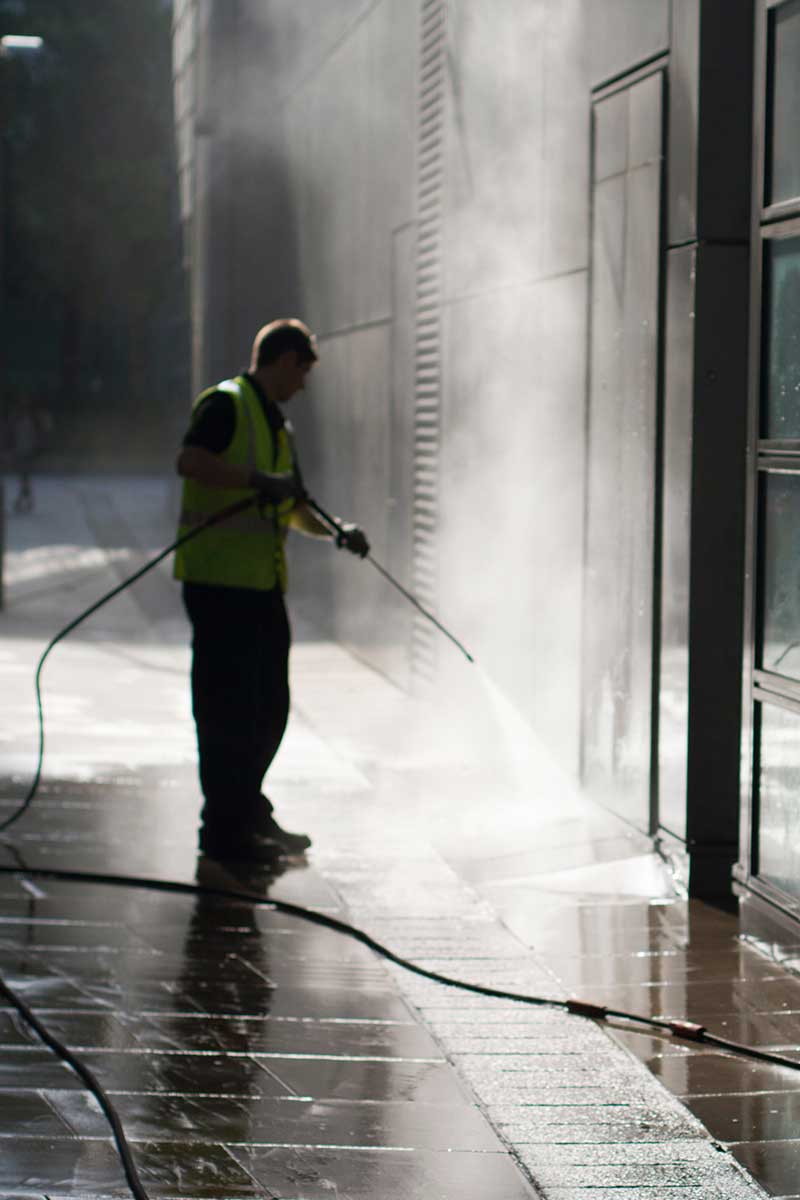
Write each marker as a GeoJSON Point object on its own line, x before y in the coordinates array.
{"type": "Point", "coordinates": [275, 488]}
{"type": "Point", "coordinates": [353, 539]}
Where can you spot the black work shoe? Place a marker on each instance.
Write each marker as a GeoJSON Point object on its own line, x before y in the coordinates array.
{"type": "Point", "coordinates": [291, 843]}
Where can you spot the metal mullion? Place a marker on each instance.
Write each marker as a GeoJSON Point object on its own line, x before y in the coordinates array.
{"type": "Point", "coordinates": [775, 896]}
{"type": "Point", "coordinates": [767, 92]}
{"type": "Point", "coordinates": [658, 468]}
{"type": "Point", "coordinates": [772, 683]}
{"type": "Point", "coordinates": [592, 182]}
{"type": "Point", "coordinates": [775, 465]}
{"type": "Point", "coordinates": [748, 789]}
{"type": "Point", "coordinates": [785, 210]}
{"type": "Point", "coordinates": [782, 229]}
{"type": "Point", "coordinates": [778, 700]}
{"type": "Point", "coordinates": [628, 79]}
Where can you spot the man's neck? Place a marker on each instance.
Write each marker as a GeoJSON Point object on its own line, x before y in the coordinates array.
{"type": "Point", "coordinates": [263, 377]}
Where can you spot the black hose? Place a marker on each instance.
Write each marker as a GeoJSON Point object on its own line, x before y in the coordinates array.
{"type": "Point", "coordinates": [92, 1083]}
{"type": "Point", "coordinates": [222, 515]}
{"type": "Point", "coordinates": [685, 1030]}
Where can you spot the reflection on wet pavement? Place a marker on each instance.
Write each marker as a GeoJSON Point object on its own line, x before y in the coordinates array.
{"type": "Point", "coordinates": [248, 1054]}
{"type": "Point", "coordinates": [251, 1054]}
{"type": "Point", "coordinates": [671, 957]}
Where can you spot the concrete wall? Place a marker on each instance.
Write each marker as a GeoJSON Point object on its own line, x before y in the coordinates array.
{"type": "Point", "coordinates": [515, 300]}
{"type": "Point", "coordinates": [348, 128]}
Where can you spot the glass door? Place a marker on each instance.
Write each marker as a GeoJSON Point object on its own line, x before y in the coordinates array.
{"type": "Point", "coordinates": [771, 825]}
{"type": "Point", "coordinates": [619, 642]}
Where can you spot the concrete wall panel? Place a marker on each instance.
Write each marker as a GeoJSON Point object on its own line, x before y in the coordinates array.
{"type": "Point", "coordinates": [518, 144]}
{"type": "Point", "coordinates": [516, 229]}
{"type": "Point", "coordinates": [349, 149]}
{"type": "Point", "coordinates": [512, 495]}
{"type": "Point", "coordinates": [678, 412]}
{"type": "Point", "coordinates": [684, 75]}
{"type": "Point", "coordinates": [349, 471]}
{"type": "Point", "coordinates": [496, 171]}
{"type": "Point", "coordinates": [349, 140]}
{"type": "Point", "coordinates": [622, 464]}
{"type": "Point", "coordinates": [566, 139]}
{"type": "Point", "coordinates": [622, 34]}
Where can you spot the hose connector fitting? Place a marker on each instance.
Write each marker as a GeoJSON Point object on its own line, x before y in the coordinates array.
{"type": "Point", "coordinates": [688, 1030]}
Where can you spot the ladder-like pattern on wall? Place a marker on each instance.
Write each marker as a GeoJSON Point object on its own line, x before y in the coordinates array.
{"type": "Point", "coordinates": [428, 349]}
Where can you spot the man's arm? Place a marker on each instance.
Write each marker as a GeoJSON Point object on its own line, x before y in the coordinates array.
{"type": "Point", "coordinates": [194, 462]}
{"type": "Point", "coordinates": [346, 535]}
{"type": "Point", "coordinates": [304, 520]}
{"type": "Point", "coordinates": [207, 468]}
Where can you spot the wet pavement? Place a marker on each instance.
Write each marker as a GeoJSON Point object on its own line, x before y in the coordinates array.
{"type": "Point", "coordinates": [252, 1054]}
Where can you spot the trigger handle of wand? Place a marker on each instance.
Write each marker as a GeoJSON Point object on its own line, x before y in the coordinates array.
{"type": "Point", "coordinates": [333, 523]}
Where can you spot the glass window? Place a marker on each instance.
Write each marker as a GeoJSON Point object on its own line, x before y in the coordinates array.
{"type": "Point", "coordinates": [621, 471]}
{"type": "Point", "coordinates": [783, 176]}
{"type": "Point", "coordinates": [782, 399]}
{"type": "Point", "coordinates": [779, 792]}
{"type": "Point", "coordinates": [611, 137]}
{"type": "Point", "coordinates": [673, 692]}
{"type": "Point", "coordinates": [781, 575]}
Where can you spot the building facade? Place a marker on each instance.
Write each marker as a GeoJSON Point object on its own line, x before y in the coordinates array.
{"type": "Point", "coordinates": [551, 249]}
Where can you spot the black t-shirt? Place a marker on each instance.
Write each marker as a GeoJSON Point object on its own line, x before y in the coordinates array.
{"type": "Point", "coordinates": [214, 420]}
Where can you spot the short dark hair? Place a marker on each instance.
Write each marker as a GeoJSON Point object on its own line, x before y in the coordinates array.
{"type": "Point", "coordinates": [275, 339]}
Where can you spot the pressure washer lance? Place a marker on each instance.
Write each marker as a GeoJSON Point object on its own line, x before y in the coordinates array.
{"type": "Point", "coordinates": [340, 532]}
{"type": "Point", "coordinates": [224, 514]}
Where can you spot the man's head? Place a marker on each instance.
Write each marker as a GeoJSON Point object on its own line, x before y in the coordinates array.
{"type": "Point", "coordinates": [283, 353]}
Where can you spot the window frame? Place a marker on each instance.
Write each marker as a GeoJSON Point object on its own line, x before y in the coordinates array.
{"type": "Point", "coordinates": [766, 456]}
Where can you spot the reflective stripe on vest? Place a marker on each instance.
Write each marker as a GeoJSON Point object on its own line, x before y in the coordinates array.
{"type": "Point", "coordinates": [246, 550]}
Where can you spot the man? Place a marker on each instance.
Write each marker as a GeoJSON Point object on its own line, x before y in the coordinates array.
{"type": "Point", "coordinates": [234, 578]}
{"type": "Point", "coordinates": [30, 427]}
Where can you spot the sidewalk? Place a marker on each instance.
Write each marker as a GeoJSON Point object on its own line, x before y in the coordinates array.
{"type": "Point", "coordinates": [306, 1067]}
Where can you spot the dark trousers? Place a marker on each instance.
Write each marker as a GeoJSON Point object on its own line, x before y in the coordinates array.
{"type": "Point", "coordinates": [240, 701]}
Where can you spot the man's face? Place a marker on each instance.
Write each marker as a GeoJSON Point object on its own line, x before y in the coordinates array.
{"type": "Point", "coordinates": [294, 373]}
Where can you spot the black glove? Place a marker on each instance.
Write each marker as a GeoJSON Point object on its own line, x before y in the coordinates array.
{"type": "Point", "coordinates": [272, 489]}
{"type": "Point", "coordinates": [353, 539]}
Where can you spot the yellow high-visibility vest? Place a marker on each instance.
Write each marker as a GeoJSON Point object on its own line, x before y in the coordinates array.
{"type": "Point", "coordinates": [246, 550]}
